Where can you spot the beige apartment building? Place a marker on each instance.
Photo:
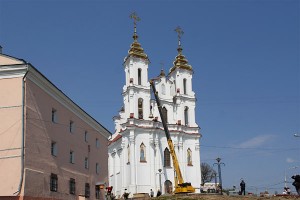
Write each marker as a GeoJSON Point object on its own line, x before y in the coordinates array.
{"type": "Point", "coordinates": [49, 147]}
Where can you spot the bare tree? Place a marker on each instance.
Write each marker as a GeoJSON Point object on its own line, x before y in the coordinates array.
{"type": "Point", "coordinates": [207, 173]}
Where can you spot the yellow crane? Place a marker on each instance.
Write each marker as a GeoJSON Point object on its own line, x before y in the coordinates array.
{"type": "Point", "coordinates": [180, 185]}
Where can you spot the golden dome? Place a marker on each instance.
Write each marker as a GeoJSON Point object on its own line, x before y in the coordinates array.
{"type": "Point", "coordinates": [136, 49]}
{"type": "Point", "coordinates": [180, 61]}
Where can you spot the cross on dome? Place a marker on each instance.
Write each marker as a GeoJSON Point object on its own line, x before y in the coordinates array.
{"type": "Point", "coordinates": [180, 33]}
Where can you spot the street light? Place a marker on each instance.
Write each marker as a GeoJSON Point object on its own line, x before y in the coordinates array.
{"type": "Point", "coordinates": [160, 172]}
{"type": "Point", "coordinates": [219, 163]}
{"type": "Point", "coordinates": [296, 135]}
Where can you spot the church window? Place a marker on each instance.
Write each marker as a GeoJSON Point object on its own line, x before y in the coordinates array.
{"type": "Point", "coordinates": [189, 157]}
{"type": "Point", "coordinates": [184, 86]}
{"type": "Point", "coordinates": [140, 108]}
{"type": "Point", "coordinates": [139, 76]}
{"type": "Point", "coordinates": [186, 115]}
{"type": "Point", "coordinates": [142, 153]}
{"type": "Point", "coordinates": [163, 89]}
{"type": "Point", "coordinates": [167, 158]}
{"type": "Point", "coordinates": [165, 114]}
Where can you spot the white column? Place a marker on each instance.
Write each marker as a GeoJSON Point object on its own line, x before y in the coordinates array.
{"type": "Point", "coordinates": [197, 165]}
{"type": "Point", "coordinates": [132, 163]}
{"type": "Point", "coordinates": [123, 164]}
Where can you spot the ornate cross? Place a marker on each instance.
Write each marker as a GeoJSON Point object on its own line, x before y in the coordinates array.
{"type": "Point", "coordinates": [180, 33]}
{"type": "Point", "coordinates": [135, 18]}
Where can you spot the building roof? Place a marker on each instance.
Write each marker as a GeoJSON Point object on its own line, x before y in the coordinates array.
{"type": "Point", "coordinates": [9, 63]}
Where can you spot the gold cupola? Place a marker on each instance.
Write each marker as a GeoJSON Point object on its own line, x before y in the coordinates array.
{"type": "Point", "coordinates": [136, 49]}
{"type": "Point", "coordinates": [180, 61]}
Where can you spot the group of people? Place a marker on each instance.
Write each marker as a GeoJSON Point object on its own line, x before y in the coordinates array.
{"type": "Point", "coordinates": [157, 194]}
{"type": "Point", "coordinates": [287, 190]}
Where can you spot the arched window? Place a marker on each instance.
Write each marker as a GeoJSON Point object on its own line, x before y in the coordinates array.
{"type": "Point", "coordinates": [167, 158]}
{"type": "Point", "coordinates": [163, 89]}
{"type": "Point", "coordinates": [142, 153]}
{"type": "Point", "coordinates": [184, 86]}
{"type": "Point", "coordinates": [186, 115]}
{"type": "Point", "coordinates": [189, 157]}
{"type": "Point", "coordinates": [165, 114]}
{"type": "Point", "coordinates": [140, 108]}
{"type": "Point", "coordinates": [139, 76]}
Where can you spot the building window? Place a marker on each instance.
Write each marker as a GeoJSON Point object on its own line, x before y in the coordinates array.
{"type": "Point", "coordinates": [184, 86]}
{"type": "Point", "coordinates": [53, 148]}
{"type": "Point", "coordinates": [139, 76]}
{"type": "Point", "coordinates": [140, 108]}
{"type": "Point", "coordinates": [86, 136]}
{"type": "Point", "coordinates": [72, 185]}
{"type": "Point", "coordinates": [165, 114]}
{"type": "Point", "coordinates": [54, 116]}
{"type": "Point", "coordinates": [142, 153]}
{"type": "Point", "coordinates": [97, 168]}
{"type": "Point", "coordinates": [189, 157]}
{"type": "Point", "coordinates": [167, 158]}
{"type": "Point", "coordinates": [87, 190]}
{"type": "Point", "coordinates": [186, 115]}
{"type": "Point", "coordinates": [53, 182]}
{"type": "Point", "coordinates": [71, 127]}
{"type": "Point", "coordinates": [163, 89]}
{"type": "Point", "coordinates": [97, 192]}
{"type": "Point", "coordinates": [86, 163]}
{"type": "Point", "coordinates": [72, 157]}
{"type": "Point", "coordinates": [97, 143]}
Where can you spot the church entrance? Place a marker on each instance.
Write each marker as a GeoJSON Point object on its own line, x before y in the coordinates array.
{"type": "Point", "coordinates": [168, 187]}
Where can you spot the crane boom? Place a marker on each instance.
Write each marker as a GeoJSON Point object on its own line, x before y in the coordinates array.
{"type": "Point", "coordinates": [180, 186]}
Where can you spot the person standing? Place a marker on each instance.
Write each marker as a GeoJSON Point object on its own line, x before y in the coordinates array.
{"type": "Point", "coordinates": [243, 187]}
{"type": "Point", "coordinates": [151, 193]}
{"type": "Point", "coordinates": [158, 193]}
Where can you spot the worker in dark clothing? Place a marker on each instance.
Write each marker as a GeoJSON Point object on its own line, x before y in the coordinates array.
{"type": "Point", "coordinates": [158, 193]}
{"type": "Point", "coordinates": [296, 183]}
{"type": "Point", "coordinates": [243, 187]}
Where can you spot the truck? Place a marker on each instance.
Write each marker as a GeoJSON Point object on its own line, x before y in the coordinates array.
{"type": "Point", "coordinates": [180, 185]}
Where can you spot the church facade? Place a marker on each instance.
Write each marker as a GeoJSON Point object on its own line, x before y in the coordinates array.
{"type": "Point", "coordinates": [138, 154]}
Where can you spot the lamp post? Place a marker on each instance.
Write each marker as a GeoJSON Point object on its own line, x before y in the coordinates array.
{"type": "Point", "coordinates": [296, 135]}
{"type": "Point", "coordinates": [159, 173]}
{"type": "Point", "coordinates": [219, 163]}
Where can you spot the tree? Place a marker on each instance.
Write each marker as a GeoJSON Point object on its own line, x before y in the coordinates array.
{"type": "Point", "coordinates": [207, 173]}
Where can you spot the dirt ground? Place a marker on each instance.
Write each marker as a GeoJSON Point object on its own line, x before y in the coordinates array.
{"type": "Point", "coordinates": [225, 197]}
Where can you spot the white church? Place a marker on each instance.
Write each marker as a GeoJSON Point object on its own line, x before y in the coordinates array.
{"type": "Point", "coordinates": [138, 154]}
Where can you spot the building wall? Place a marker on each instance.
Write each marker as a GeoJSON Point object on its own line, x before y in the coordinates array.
{"type": "Point", "coordinates": [10, 134]}
{"type": "Point", "coordinates": [41, 132]}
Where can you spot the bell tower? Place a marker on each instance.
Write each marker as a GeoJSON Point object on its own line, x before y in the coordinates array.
{"type": "Point", "coordinates": [136, 91]}
{"type": "Point", "coordinates": [181, 73]}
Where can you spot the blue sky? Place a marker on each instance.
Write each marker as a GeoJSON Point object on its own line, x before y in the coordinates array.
{"type": "Point", "coordinates": [245, 55]}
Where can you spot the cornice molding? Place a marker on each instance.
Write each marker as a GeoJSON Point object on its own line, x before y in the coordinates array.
{"type": "Point", "coordinates": [13, 71]}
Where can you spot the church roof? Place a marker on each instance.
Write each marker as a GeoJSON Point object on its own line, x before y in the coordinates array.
{"type": "Point", "coordinates": [115, 139]}
{"type": "Point", "coordinates": [180, 62]}
{"type": "Point", "coordinates": [136, 49]}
